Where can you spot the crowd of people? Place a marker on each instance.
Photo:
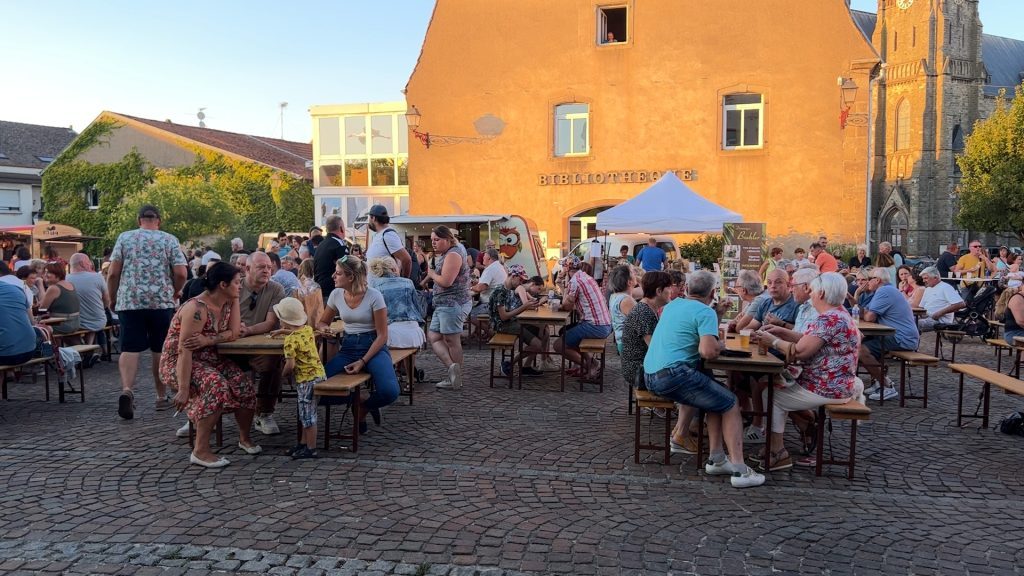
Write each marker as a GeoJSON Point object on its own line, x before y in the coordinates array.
{"type": "Point", "coordinates": [665, 323]}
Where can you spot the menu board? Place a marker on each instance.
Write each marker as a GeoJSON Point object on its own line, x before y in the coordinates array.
{"type": "Point", "coordinates": [744, 249]}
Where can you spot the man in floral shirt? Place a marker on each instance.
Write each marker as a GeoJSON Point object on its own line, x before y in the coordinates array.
{"type": "Point", "coordinates": [147, 272]}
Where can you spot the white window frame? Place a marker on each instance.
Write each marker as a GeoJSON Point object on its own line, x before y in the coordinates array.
{"type": "Point", "coordinates": [742, 109]}
{"type": "Point", "coordinates": [572, 117]}
{"type": "Point", "coordinates": [90, 193]}
{"type": "Point", "coordinates": [602, 24]}
{"type": "Point", "coordinates": [15, 209]}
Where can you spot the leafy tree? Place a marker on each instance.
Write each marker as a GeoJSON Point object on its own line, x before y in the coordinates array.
{"type": "Point", "coordinates": [190, 208]}
{"type": "Point", "coordinates": [706, 249]}
{"type": "Point", "coordinates": [991, 192]}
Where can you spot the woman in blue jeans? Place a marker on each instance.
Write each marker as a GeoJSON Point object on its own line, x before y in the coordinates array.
{"type": "Point", "coordinates": [364, 341]}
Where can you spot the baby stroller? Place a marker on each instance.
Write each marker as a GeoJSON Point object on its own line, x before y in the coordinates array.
{"type": "Point", "coordinates": [980, 299]}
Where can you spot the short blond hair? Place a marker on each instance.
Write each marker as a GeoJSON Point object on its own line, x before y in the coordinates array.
{"type": "Point", "coordinates": [382, 267]}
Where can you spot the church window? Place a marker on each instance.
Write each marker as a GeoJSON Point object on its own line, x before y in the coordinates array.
{"type": "Point", "coordinates": [903, 125]}
{"type": "Point", "coordinates": [958, 147]}
{"type": "Point", "coordinates": [743, 121]}
{"type": "Point", "coordinates": [895, 41]}
{"type": "Point", "coordinates": [612, 24]}
{"type": "Point", "coordinates": [572, 129]}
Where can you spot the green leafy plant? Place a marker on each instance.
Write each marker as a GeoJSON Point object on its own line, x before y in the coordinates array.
{"type": "Point", "coordinates": [991, 192]}
{"type": "Point", "coordinates": [706, 249]}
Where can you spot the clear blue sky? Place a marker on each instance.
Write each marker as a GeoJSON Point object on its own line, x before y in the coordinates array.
{"type": "Point", "coordinates": [67, 60]}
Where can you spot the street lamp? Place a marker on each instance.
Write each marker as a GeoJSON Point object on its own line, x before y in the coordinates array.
{"type": "Point", "coordinates": [413, 117]}
{"type": "Point", "coordinates": [847, 96]}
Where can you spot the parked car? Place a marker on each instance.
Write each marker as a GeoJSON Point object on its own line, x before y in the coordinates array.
{"type": "Point", "coordinates": [613, 244]}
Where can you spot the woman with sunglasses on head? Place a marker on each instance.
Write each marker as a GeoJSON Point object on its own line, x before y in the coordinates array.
{"type": "Point", "coordinates": [364, 341]}
{"type": "Point", "coordinates": [207, 383]}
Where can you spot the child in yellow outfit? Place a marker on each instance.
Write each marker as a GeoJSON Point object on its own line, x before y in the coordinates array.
{"type": "Point", "coordinates": [301, 357]}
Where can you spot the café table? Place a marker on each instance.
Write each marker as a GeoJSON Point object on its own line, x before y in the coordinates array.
{"type": "Point", "coordinates": [968, 279]}
{"type": "Point", "coordinates": [755, 363]}
{"type": "Point", "coordinates": [50, 321]}
{"type": "Point", "coordinates": [544, 317]}
{"type": "Point", "coordinates": [919, 312]}
{"type": "Point", "coordinates": [880, 331]}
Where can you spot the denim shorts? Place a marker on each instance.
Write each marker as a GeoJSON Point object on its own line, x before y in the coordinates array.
{"type": "Point", "coordinates": [450, 319]}
{"type": "Point", "coordinates": [584, 330]}
{"type": "Point", "coordinates": [684, 384]}
{"type": "Point", "coordinates": [1010, 334]}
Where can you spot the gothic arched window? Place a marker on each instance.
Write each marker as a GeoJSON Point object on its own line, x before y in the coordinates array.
{"type": "Point", "coordinates": [903, 125]}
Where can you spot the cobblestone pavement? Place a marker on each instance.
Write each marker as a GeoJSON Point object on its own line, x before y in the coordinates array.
{"type": "Point", "coordinates": [498, 481]}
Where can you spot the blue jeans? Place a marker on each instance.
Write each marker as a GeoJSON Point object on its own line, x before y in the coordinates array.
{"type": "Point", "coordinates": [380, 368]}
{"type": "Point", "coordinates": [584, 330]}
{"type": "Point", "coordinates": [684, 384]}
{"type": "Point", "coordinates": [1010, 334]}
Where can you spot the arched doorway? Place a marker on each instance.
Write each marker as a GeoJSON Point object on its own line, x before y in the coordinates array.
{"type": "Point", "coordinates": [584, 225]}
{"type": "Point", "coordinates": [894, 228]}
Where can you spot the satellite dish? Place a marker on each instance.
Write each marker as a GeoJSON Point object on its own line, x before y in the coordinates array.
{"type": "Point", "coordinates": [202, 116]}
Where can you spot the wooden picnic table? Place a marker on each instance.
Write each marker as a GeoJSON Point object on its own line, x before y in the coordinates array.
{"type": "Point", "coordinates": [51, 321]}
{"type": "Point", "coordinates": [880, 331]}
{"type": "Point", "coordinates": [755, 363]}
{"type": "Point", "coordinates": [255, 345]}
{"type": "Point", "coordinates": [919, 312]}
{"type": "Point", "coordinates": [543, 317]}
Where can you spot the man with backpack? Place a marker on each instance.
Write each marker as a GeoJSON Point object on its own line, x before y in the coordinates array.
{"type": "Point", "coordinates": [387, 242]}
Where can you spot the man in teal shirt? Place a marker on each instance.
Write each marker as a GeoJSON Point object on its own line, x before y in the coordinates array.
{"type": "Point", "coordinates": [688, 332]}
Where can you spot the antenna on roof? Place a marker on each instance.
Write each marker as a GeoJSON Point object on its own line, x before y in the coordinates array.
{"type": "Point", "coordinates": [283, 105]}
{"type": "Point", "coordinates": [202, 116]}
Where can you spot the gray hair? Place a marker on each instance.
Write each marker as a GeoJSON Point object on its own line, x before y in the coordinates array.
{"type": "Point", "coordinates": [882, 274]}
{"type": "Point", "coordinates": [749, 281]}
{"type": "Point", "coordinates": [931, 271]}
{"type": "Point", "coordinates": [237, 244]}
{"type": "Point", "coordinates": [700, 284]}
{"type": "Point", "coordinates": [618, 280]}
{"type": "Point", "coordinates": [233, 260]}
{"type": "Point", "coordinates": [492, 253]}
{"type": "Point", "coordinates": [886, 244]}
{"type": "Point", "coordinates": [79, 262]}
{"type": "Point", "coordinates": [805, 275]}
{"type": "Point", "coordinates": [334, 223]}
{"type": "Point", "coordinates": [383, 267]}
{"type": "Point", "coordinates": [863, 247]}
{"type": "Point", "coordinates": [833, 286]}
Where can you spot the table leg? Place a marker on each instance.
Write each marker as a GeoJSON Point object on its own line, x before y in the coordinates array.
{"type": "Point", "coordinates": [768, 406]}
{"type": "Point", "coordinates": [984, 415]}
{"type": "Point", "coordinates": [881, 389]}
{"type": "Point", "coordinates": [960, 402]}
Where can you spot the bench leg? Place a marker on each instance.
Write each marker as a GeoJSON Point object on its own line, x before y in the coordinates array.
{"type": "Point", "coordinates": [924, 403]}
{"type": "Point", "coordinates": [410, 375]}
{"type": "Point", "coordinates": [46, 380]}
{"type": "Point", "coordinates": [999, 359]}
{"type": "Point", "coordinates": [668, 435]}
{"type": "Point", "coordinates": [853, 449]}
{"type": "Point", "coordinates": [821, 441]}
{"type": "Point", "coordinates": [903, 382]}
{"type": "Point", "coordinates": [327, 428]}
{"type": "Point", "coordinates": [629, 402]}
{"type": "Point", "coordinates": [700, 439]}
{"type": "Point", "coordinates": [960, 402]}
{"type": "Point", "coordinates": [81, 383]}
{"type": "Point", "coordinates": [357, 407]}
{"type": "Point", "coordinates": [600, 385]}
{"type": "Point", "coordinates": [636, 437]}
{"type": "Point", "coordinates": [984, 415]}
{"type": "Point", "coordinates": [491, 375]}
{"type": "Point", "coordinates": [562, 372]}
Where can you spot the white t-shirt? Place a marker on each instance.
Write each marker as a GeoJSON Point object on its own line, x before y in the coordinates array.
{"type": "Point", "coordinates": [493, 275]}
{"type": "Point", "coordinates": [385, 243]}
{"type": "Point", "coordinates": [938, 297]}
{"type": "Point", "coordinates": [358, 320]}
{"type": "Point", "coordinates": [15, 281]}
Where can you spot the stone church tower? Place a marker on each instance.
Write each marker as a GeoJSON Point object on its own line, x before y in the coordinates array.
{"type": "Point", "coordinates": [929, 98]}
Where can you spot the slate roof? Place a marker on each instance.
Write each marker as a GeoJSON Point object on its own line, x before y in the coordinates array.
{"type": "Point", "coordinates": [1003, 57]}
{"type": "Point", "coordinates": [280, 154]}
{"type": "Point", "coordinates": [24, 144]}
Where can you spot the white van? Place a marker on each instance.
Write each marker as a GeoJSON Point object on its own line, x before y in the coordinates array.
{"type": "Point", "coordinates": [612, 245]}
{"type": "Point", "coordinates": [514, 236]}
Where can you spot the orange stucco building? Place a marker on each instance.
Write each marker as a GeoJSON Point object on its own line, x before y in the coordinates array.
{"type": "Point", "coordinates": [742, 95]}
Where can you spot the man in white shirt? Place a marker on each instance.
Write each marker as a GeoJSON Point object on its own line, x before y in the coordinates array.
{"type": "Point", "coordinates": [494, 275]}
{"type": "Point", "coordinates": [940, 300]}
{"type": "Point", "coordinates": [387, 242]}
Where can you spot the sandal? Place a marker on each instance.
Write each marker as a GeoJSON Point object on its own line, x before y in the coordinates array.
{"type": "Point", "coordinates": [809, 437]}
{"type": "Point", "coordinates": [574, 372]}
{"type": "Point", "coordinates": [781, 460]}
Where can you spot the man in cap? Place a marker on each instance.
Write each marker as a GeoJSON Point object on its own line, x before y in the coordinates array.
{"type": "Point", "coordinates": [387, 242]}
{"type": "Point", "coordinates": [147, 272]}
{"type": "Point", "coordinates": [503, 307]}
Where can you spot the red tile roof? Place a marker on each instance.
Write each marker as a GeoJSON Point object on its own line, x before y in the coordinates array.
{"type": "Point", "coordinates": [281, 154]}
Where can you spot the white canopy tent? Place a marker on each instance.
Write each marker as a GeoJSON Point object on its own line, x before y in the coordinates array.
{"type": "Point", "coordinates": [668, 206]}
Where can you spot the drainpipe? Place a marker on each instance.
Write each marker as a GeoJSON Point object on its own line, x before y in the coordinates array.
{"type": "Point", "coordinates": [872, 83]}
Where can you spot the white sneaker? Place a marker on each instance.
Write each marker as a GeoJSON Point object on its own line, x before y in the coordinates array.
{"type": "Point", "coordinates": [753, 435]}
{"type": "Point", "coordinates": [183, 431]}
{"type": "Point", "coordinates": [871, 389]}
{"type": "Point", "coordinates": [721, 469]}
{"type": "Point", "coordinates": [265, 424]}
{"type": "Point", "coordinates": [747, 479]}
{"type": "Point", "coordinates": [890, 393]}
{"type": "Point", "coordinates": [444, 385]}
{"type": "Point", "coordinates": [455, 376]}
{"type": "Point", "coordinates": [551, 365]}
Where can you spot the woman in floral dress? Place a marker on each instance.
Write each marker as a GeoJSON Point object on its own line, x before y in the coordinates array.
{"type": "Point", "coordinates": [208, 384]}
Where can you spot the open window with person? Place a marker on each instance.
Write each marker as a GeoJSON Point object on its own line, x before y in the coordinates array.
{"type": "Point", "coordinates": [612, 24]}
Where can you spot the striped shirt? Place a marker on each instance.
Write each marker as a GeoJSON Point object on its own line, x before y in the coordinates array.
{"type": "Point", "coordinates": [590, 302]}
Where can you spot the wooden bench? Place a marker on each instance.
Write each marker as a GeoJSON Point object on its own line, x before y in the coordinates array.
{"type": "Point", "coordinates": [999, 346]}
{"type": "Point", "coordinates": [408, 357]}
{"type": "Point", "coordinates": [342, 386]}
{"type": "Point", "coordinates": [909, 359]}
{"type": "Point", "coordinates": [598, 347]}
{"type": "Point", "coordinates": [506, 344]}
{"type": "Point", "coordinates": [854, 412]}
{"type": "Point", "coordinates": [953, 336]}
{"type": "Point", "coordinates": [995, 327]}
{"type": "Point", "coordinates": [5, 370]}
{"type": "Point", "coordinates": [646, 399]}
{"type": "Point", "coordinates": [84, 350]}
{"type": "Point", "coordinates": [59, 339]}
{"type": "Point", "coordinates": [990, 378]}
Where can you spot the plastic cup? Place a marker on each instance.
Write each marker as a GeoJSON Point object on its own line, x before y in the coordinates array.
{"type": "Point", "coordinates": [723, 332]}
{"type": "Point", "coordinates": [745, 338]}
